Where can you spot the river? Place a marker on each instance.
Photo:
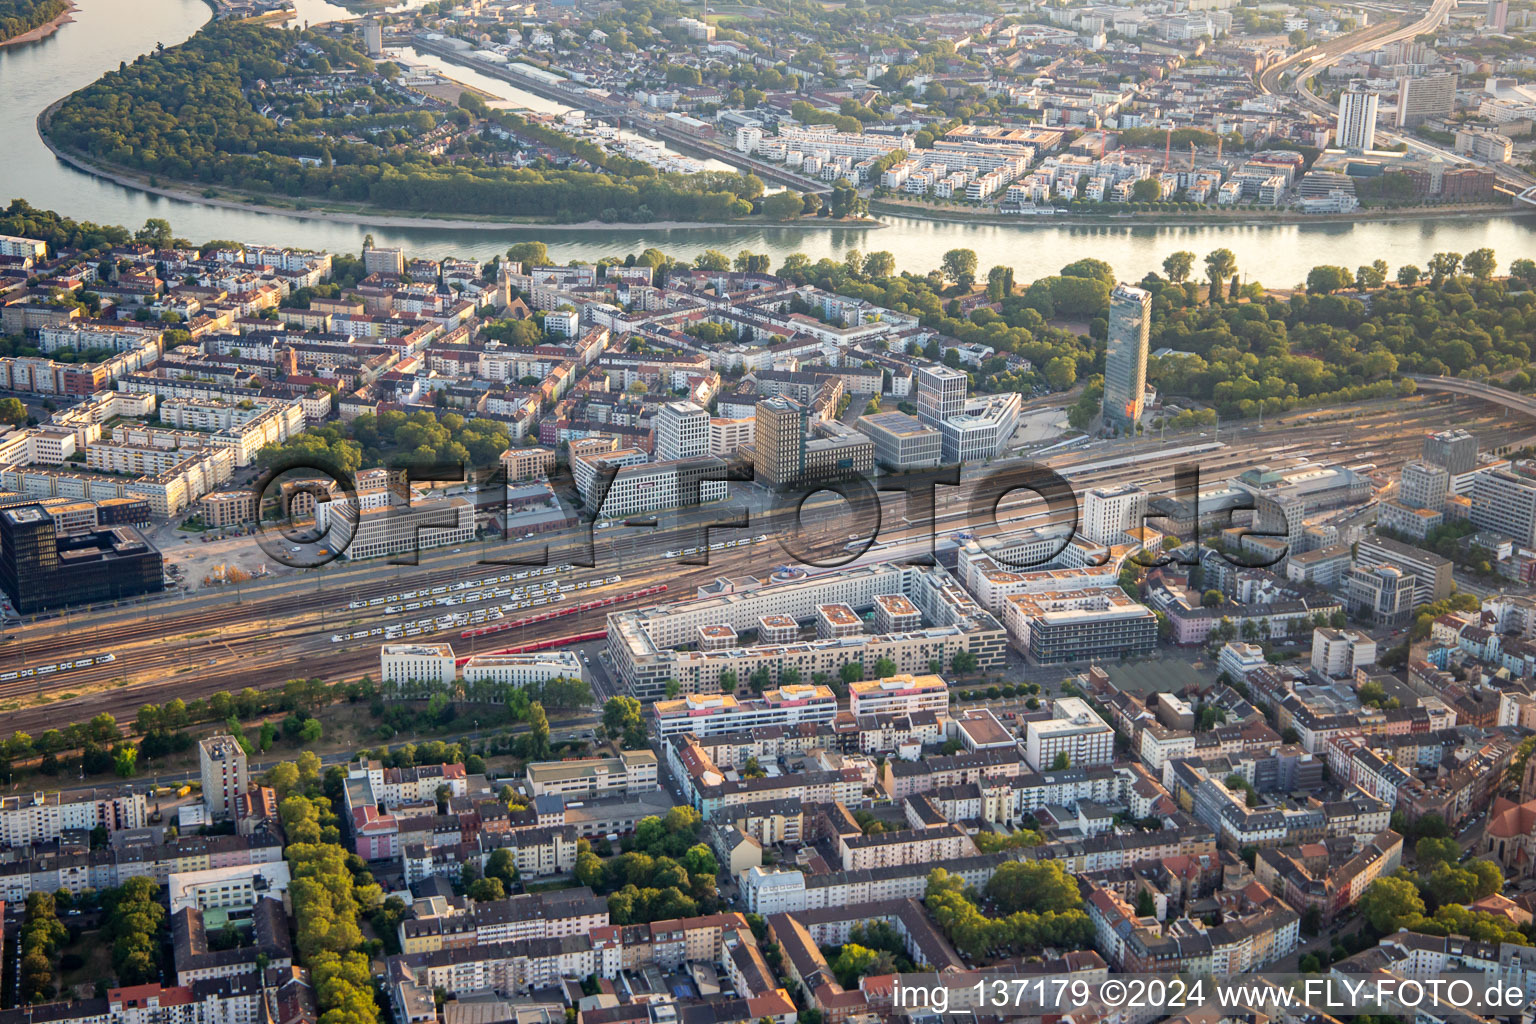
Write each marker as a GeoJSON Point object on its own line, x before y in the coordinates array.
{"type": "Point", "coordinates": [106, 32]}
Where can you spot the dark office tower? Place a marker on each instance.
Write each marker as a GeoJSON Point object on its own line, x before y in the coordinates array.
{"type": "Point", "coordinates": [41, 568]}
{"type": "Point", "coordinates": [778, 443]}
{"type": "Point", "coordinates": [1453, 450]}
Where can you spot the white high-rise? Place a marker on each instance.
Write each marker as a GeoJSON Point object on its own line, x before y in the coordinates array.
{"type": "Point", "coordinates": [1108, 512]}
{"type": "Point", "coordinates": [1125, 357]}
{"type": "Point", "coordinates": [1356, 127]}
{"type": "Point", "coordinates": [682, 431]}
{"type": "Point", "coordinates": [940, 394]}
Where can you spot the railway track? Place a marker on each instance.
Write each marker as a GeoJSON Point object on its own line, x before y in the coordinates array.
{"type": "Point", "coordinates": [264, 639]}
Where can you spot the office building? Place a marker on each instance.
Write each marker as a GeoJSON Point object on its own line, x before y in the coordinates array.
{"type": "Point", "coordinates": [682, 431]}
{"type": "Point", "coordinates": [1497, 18]}
{"type": "Point", "coordinates": [940, 393]}
{"type": "Point", "coordinates": [1381, 594]}
{"type": "Point", "coordinates": [982, 429]}
{"type": "Point", "coordinates": [1073, 730]}
{"type": "Point", "coordinates": [727, 435]}
{"type": "Point", "coordinates": [522, 669]}
{"type": "Point", "coordinates": [1108, 512]}
{"type": "Point", "coordinates": [658, 486]}
{"type": "Point", "coordinates": [221, 764]}
{"type": "Point", "coordinates": [1432, 573]}
{"type": "Point", "coordinates": [901, 442]}
{"type": "Point", "coordinates": [644, 643]}
{"type": "Point", "coordinates": [1424, 485]}
{"type": "Point", "coordinates": [430, 666]}
{"type": "Point", "coordinates": [1054, 627]}
{"type": "Point", "coordinates": [1394, 517]}
{"type": "Point", "coordinates": [778, 445]}
{"type": "Point", "coordinates": [784, 453]}
{"type": "Point", "coordinates": [396, 529]}
{"type": "Point", "coordinates": [838, 452]}
{"type": "Point", "coordinates": [1504, 501]}
{"type": "Point", "coordinates": [1356, 126]}
{"type": "Point", "coordinates": [1455, 450]}
{"type": "Point", "coordinates": [1424, 98]}
{"type": "Point", "coordinates": [633, 771]}
{"type": "Point", "coordinates": [41, 567]}
{"type": "Point", "coordinates": [1125, 358]}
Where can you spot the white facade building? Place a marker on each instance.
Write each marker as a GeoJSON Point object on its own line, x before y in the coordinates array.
{"type": "Point", "coordinates": [522, 669]}
{"type": "Point", "coordinates": [1074, 730]}
{"type": "Point", "coordinates": [417, 663]}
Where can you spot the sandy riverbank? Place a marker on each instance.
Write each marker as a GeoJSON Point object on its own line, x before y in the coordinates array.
{"type": "Point", "coordinates": [42, 31]}
{"type": "Point", "coordinates": [403, 220]}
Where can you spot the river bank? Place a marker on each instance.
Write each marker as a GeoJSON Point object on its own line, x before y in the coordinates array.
{"type": "Point", "coordinates": [1212, 218]}
{"type": "Point", "coordinates": [106, 33]}
{"type": "Point", "coordinates": [44, 30]}
{"type": "Point", "coordinates": [397, 219]}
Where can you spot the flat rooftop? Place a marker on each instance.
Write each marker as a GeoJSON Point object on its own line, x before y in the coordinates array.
{"type": "Point", "coordinates": [838, 614]}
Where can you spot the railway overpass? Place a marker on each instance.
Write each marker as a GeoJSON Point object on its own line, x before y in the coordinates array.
{"type": "Point", "coordinates": [1523, 404]}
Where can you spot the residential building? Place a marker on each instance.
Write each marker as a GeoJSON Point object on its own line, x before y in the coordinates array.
{"type": "Point", "coordinates": [1355, 128]}
{"type": "Point", "coordinates": [898, 694]}
{"type": "Point", "coordinates": [221, 764]}
{"type": "Point", "coordinates": [1422, 98]}
{"type": "Point", "coordinates": [388, 261]}
{"type": "Point", "coordinates": [43, 817]}
{"type": "Point", "coordinates": [722, 713]}
{"type": "Point", "coordinates": [527, 463]}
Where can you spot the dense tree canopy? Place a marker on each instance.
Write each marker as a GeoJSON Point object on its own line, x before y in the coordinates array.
{"type": "Point", "coordinates": [190, 113]}
{"type": "Point", "coordinates": [20, 16]}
